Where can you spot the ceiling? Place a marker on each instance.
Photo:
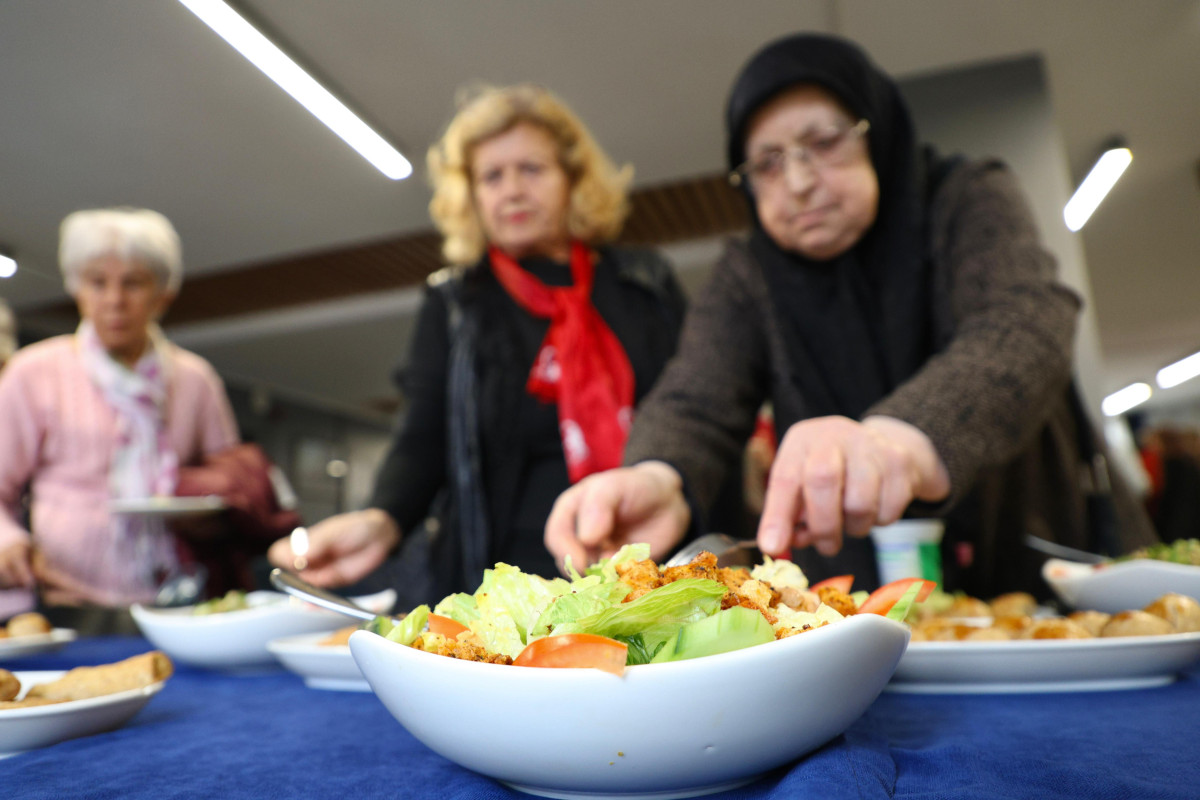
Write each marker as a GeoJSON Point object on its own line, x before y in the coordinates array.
{"type": "Point", "coordinates": [298, 251]}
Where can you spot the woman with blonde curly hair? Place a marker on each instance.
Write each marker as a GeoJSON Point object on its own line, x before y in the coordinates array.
{"type": "Point", "coordinates": [528, 357]}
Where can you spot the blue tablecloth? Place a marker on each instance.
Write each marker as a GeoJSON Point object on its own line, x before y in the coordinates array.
{"type": "Point", "coordinates": [266, 735]}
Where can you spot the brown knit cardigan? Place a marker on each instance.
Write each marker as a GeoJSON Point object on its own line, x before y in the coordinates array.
{"type": "Point", "coordinates": [993, 399]}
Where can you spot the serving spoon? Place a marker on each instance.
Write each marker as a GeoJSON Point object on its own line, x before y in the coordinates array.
{"type": "Point", "coordinates": [728, 550]}
{"type": "Point", "coordinates": [288, 583]}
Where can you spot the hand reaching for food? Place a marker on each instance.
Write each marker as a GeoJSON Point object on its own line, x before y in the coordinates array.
{"type": "Point", "coordinates": [595, 517]}
{"type": "Point", "coordinates": [833, 474]}
{"type": "Point", "coordinates": [341, 549]}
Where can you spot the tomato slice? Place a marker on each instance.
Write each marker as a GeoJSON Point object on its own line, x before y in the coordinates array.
{"type": "Point", "coordinates": [842, 583]}
{"type": "Point", "coordinates": [575, 651]}
{"type": "Point", "coordinates": [445, 626]}
{"type": "Point", "coordinates": [882, 599]}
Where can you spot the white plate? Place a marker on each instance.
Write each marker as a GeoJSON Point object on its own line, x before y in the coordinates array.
{"type": "Point", "coordinates": [660, 730]}
{"type": "Point", "coordinates": [1045, 665]}
{"type": "Point", "coordinates": [238, 639]}
{"type": "Point", "coordinates": [21, 646]}
{"type": "Point", "coordinates": [166, 506]}
{"type": "Point", "coordinates": [1122, 586]}
{"type": "Point", "coordinates": [23, 729]}
{"type": "Point", "coordinates": [322, 666]}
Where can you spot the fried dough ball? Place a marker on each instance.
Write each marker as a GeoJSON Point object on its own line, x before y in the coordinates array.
{"type": "Point", "coordinates": [1136, 623]}
{"type": "Point", "coordinates": [989, 634]}
{"type": "Point", "coordinates": [1012, 624]}
{"type": "Point", "coordinates": [1014, 604]}
{"type": "Point", "coordinates": [968, 607]}
{"type": "Point", "coordinates": [1092, 621]}
{"type": "Point", "coordinates": [1181, 611]}
{"type": "Point", "coordinates": [29, 624]}
{"type": "Point", "coordinates": [1055, 628]}
{"type": "Point", "coordinates": [941, 630]}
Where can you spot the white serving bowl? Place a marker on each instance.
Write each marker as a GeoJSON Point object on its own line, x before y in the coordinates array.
{"type": "Point", "coordinates": [238, 639]}
{"type": "Point", "coordinates": [667, 730]}
{"type": "Point", "coordinates": [1123, 586]}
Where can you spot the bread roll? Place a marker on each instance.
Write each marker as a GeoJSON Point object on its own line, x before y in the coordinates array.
{"type": "Point", "coordinates": [28, 625]}
{"type": "Point", "coordinates": [10, 687]}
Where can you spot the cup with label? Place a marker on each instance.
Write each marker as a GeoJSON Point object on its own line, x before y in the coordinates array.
{"type": "Point", "coordinates": [909, 548]}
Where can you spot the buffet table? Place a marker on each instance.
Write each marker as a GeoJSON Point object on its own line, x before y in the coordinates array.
{"type": "Point", "coordinates": [265, 735]}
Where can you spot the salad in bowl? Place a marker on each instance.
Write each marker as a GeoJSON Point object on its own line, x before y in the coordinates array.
{"type": "Point", "coordinates": [671, 681]}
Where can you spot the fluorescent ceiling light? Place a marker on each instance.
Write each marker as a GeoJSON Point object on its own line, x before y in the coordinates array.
{"type": "Point", "coordinates": [8, 267]}
{"type": "Point", "coordinates": [1122, 400]}
{"type": "Point", "coordinates": [277, 66]}
{"type": "Point", "coordinates": [1179, 372]}
{"type": "Point", "coordinates": [1108, 168]}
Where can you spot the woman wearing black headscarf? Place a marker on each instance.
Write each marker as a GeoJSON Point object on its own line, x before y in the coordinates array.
{"type": "Point", "coordinates": [900, 314]}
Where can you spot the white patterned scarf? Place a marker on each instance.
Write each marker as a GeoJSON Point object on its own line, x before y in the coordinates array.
{"type": "Point", "coordinates": [143, 465]}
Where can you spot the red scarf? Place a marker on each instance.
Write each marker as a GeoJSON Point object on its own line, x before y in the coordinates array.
{"type": "Point", "coordinates": [581, 366]}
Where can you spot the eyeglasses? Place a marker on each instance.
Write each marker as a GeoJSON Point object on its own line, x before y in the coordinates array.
{"type": "Point", "coordinates": [829, 148]}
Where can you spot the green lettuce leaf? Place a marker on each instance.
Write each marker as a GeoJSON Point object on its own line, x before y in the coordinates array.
{"type": "Point", "coordinates": [459, 607]}
{"type": "Point", "coordinates": [657, 615]}
{"type": "Point", "coordinates": [406, 630]}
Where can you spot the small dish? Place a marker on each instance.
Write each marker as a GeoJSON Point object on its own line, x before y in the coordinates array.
{"type": "Point", "coordinates": [238, 639]}
{"type": "Point", "coordinates": [660, 730]}
{"type": "Point", "coordinates": [15, 647]}
{"type": "Point", "coordinates": [24, 729]}
{"type": "Point", "coordinates": [1119, 586]}
{"type": "Point", "coordinates": [1045, 665]}
{"type": "Point", "coordinates": [322, 666]}
{"type": "Point", "coordinates": [165, 506]}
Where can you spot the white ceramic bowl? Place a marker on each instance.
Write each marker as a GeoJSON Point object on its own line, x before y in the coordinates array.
{"type": "Point", "coordinates": [238, 639]}
{"type": "Point", "coordinates": [667, 730]}
{"type": "Point", "coordinates": [322, 666]}
{"type": "Point", "coordinates": [1122, 586]}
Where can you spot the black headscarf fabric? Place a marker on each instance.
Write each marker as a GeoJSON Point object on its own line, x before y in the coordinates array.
{"type": "Point", "coordinates": [856, 326]}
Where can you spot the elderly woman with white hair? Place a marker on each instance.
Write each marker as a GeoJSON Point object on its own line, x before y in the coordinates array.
{"type": "Point", "coordinates": [109, 412]}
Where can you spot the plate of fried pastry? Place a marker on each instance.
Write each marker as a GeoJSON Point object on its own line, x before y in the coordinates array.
{"type": "Point", "coordinates": [1010, 645]}
{"type": "Point", "coordinates": [29, 634]}
{"type": "Point", "coordinates": [42, 708]}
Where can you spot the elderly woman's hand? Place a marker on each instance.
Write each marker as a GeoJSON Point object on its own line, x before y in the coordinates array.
{"type": "Point", "coordinates": [596, 516]}
{"type": "Point", "coordinates": [15, 569]}
{"type": "Point", "coordinates": [833, 474]}
{"type": "Point", "coordinates": [341, 549]}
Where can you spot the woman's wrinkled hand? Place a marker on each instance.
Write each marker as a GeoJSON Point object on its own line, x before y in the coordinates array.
{"type": "Point", "coordinates": [16, 570]}
{"type": "Point", "coordinates": [595, 517]}
{"type": "Point", "coordinates": [341, 549]}
{"type": "Point", "coordinates": [833, 474]}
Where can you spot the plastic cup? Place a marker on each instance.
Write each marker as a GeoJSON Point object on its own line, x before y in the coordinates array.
{"type": "Point", "coordinates": [909, 549]}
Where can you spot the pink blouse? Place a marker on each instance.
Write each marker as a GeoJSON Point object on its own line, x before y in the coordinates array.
{"type": "Point", "coordinates": [57, 435]}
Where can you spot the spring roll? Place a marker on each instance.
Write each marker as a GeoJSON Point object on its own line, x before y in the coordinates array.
{"type": "Point", "coordinates": [83, 682]}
